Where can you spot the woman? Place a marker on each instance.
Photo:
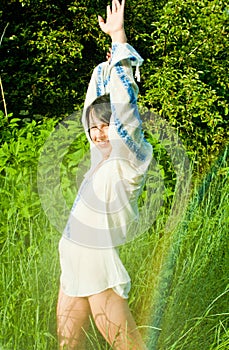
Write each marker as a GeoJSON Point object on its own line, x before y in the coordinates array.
{"type": "Point", "coordinates": [94, 281]}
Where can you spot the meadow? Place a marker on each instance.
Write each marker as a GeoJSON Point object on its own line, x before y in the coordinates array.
{"type": "Point", "coordinates": [180, 288]}
{"type": "Point", "coordinates": [179, 260]}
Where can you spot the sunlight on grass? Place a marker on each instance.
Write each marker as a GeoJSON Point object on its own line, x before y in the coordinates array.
{"type": "Point", "coordinates": [179, 294]}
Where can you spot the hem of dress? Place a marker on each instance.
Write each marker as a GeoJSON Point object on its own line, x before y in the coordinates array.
{"type": "Point", "coordinates": [97, 292]}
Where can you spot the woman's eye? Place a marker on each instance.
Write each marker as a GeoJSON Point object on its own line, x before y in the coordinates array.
{"type": "Point", "coordinates": [100, 127]}
{"type": "Point", "coordinates": [104, 126]}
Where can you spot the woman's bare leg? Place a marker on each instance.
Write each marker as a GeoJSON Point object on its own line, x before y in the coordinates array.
{"type": "Point", "coordinates": [72, 320]}
{"type": "Point", "coordinates": [115, 321]}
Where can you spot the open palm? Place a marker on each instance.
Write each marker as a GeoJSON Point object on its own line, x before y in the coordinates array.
{"type": "Point", "coordinates": [115, 18]}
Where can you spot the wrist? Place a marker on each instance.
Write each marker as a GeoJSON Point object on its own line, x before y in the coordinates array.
{"type": "Point", "coordinates": [119, 37]}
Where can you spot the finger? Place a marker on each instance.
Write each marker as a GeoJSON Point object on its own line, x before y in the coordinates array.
{"type": "Point", "coordinates": [117, 4]}
{"type": "Point", "coordinates": [113, 6]}
{"type": "Point", "coordinates": [101, 21]}
{"type": "Point", "coordinates": [108, 11]}
{"type": "Point", "coordinates": [123, 5]}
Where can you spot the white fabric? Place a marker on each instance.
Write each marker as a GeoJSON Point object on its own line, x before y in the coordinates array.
{"type": "Point", "coordinates": [87, 271]}
{"type": "Point", "coordinates": [105, 213]}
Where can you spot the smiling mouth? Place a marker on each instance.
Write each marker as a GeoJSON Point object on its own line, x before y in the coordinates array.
{"type": "Point", "coordinates": [103, 143]}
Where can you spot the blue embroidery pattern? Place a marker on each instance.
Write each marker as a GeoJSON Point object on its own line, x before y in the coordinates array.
{"type": "Point", "coordinates": [67, 230]}
{"type": "Point", "coordinates": [126, 83]}
{"type": "Point", "coordinates": [114, 47]}
{"type": "Point", "coordinates": [129, 141]}
{"type": "Point", "coordinates": [106, 82]}
{"type": "Point", "coordinates": [99, 85]}
{"type": "Point", "coordinates": [133, 146]}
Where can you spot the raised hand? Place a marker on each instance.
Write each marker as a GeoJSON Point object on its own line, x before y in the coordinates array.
{"type": "Point", "coordinates": [114, 24]}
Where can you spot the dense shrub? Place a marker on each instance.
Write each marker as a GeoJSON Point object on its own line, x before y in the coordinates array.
{"type": "Point", "coordinates": [50, 48]}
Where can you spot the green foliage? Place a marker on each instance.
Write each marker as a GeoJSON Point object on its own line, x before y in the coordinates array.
{"type": "Point", "coordinates": [19, 151]}
{"type": "Point", "coordinates": [196, 312]}
{"type": "Point", "coordinates": [29, 245]}
{"type": "Point", "coordinates": [47, 56]}
{"type": "Point", "coordinates": [46, 41]}
{"type": "Point", "coordinates": [186, 78]}
{"type": "Point", "coordinates": [22, 229]}
{"type": "Point", "coordinates": [50, 49]}
{"type": "Point", "coordinates": [62, 164]}
{"type": "Point", "coordinates": [37, 163]}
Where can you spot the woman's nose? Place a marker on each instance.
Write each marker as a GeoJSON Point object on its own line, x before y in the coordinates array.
{"type": "Point", "coordinates": [101, 134]}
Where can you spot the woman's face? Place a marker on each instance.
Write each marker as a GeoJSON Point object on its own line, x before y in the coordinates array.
{"type": "Point", "coordinates": [99, 136]}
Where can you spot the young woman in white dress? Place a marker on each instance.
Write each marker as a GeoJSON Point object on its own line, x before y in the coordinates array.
{"type": "Point", "coordinates": [94, 282]}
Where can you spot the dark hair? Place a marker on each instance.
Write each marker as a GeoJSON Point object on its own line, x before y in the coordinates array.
{"type": "Point", "coordinates": [101, 108]}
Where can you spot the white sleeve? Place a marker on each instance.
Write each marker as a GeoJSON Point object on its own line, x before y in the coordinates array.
{"type": "Point", "coordinates": [126, 132]}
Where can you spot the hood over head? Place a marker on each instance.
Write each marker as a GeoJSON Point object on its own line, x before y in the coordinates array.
{"type": "Point", "coordinates": [97, 106]}
{"type": "Point", "coordinates": [99, 86]}
{"type": "Point", "coordinates": [98, 112]}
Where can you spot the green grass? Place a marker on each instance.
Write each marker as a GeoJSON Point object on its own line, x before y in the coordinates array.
{"type": "Point", "coordinates": [29, 271]}
{"type": "Point", "coordinates": [196, 314]}
{"type": "Point", "coordinates": [179, 294]}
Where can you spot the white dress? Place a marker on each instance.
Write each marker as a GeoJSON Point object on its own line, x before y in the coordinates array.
{"type": "Point", "coordinates": [105, 213]}
{"type": "Point", "coordinates": [87, 271]}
